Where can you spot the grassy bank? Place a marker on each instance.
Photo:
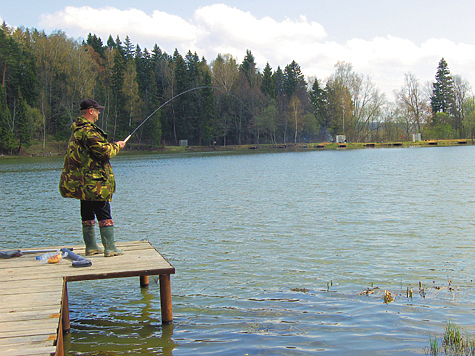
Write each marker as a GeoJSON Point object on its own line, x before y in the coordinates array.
{"type": "Point", "coordinates": [53, 148]}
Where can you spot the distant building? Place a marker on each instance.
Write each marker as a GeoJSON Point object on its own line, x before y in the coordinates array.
{"type": "Point", "coordinates": [340, 138]}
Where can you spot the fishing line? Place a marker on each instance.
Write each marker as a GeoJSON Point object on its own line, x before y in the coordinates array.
{"type": "Point", "coordinates": [161, 106]}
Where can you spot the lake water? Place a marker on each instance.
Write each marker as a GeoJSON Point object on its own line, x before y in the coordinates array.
{"type": "Point", "coordinates": [273, 251]}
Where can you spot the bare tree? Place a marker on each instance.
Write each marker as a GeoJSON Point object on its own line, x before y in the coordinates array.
{"type": "Point", "coordinates": [412, 102]}
{"type": "Point", "coordinates": [225, 75]}
{"type": "Point", "coordinates": [462, 90]}
{"type": "Point", "coordinates": [361, 111]}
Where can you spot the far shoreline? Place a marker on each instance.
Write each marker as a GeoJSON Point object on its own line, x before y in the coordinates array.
{"type": "Point", "coordinates": [54, 148]}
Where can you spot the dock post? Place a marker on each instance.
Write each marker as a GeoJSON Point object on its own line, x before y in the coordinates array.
{"type": "Point", "coordinates": [59, 340]}
{"type": "Point", "coordinates": [166, 299]}
{"type": "Point", "coordinates": [66, 325]}
{"type": "Point", "coordinates": [144, 281]}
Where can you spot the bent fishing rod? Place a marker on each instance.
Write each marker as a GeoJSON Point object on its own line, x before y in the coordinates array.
{"type": "Point", "coordinates": [161, 106]}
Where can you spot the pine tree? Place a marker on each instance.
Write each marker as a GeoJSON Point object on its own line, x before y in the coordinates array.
{"type": "Point", "coordinates": [294, 80]}
{"type": "Point", "coordinates": [318, 97]}
{"type": "Point", "coordinates": [96, 43]}
{"type": "Point", "coordinates": [177, 106]}
{"type": "Point", "coordinates": [248, 67]}
{"type": "Point", "coordinates": [207, 124]}
{"type": "Point", "coordinates": [129, 48]}
{"type": "Point", "coordinates": [268, 84]}
{"type": "Point", "coordinates": [119, 115]}
{"type": "Point", "coordinates": [443, 99]}
{"type": "Point", "coordinates": [110, 42]}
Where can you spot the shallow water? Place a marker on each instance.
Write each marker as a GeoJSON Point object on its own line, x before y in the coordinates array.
{"type": "Point", "coordinates": [272, 250]}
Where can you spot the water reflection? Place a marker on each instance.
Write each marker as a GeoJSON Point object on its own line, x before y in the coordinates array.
{"type": "Point", "coordinates": [116, 322]}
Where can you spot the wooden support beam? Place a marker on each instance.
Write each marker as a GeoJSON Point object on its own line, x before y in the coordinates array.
{"type": "Point", "coordinates": [166, 299]}
{"type": "Point", "coordinates": [144, 281]}
{"type": "Point", "coordinates": [59, 339]}
{"type": "Point", "coordinates": [65, 310]}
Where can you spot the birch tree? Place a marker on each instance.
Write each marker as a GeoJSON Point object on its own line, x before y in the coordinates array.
{"type": "Point", "coordinates": [412, 102]}
{"type": "Point", "coordinates": [462, 90]}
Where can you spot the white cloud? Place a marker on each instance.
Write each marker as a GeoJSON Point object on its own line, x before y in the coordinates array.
{"type": "Point", "coordinates": [140, 27]}
{"type": "Point", "coordinates": [229, 30]}
{"type": "Point", "coordinates": [238, 26]}
{"type": "Point", "coordinates": [222, 29]}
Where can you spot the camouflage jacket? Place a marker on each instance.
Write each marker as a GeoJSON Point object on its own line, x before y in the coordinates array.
{"type": "Point", "coordinates": [87, 173]}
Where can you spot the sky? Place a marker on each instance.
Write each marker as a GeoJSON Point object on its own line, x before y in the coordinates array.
{"type": "Point", "coordinates": [381, 39]}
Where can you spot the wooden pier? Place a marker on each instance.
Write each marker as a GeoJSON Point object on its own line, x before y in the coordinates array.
{"type": "Point", "coordinates": [34, 310]}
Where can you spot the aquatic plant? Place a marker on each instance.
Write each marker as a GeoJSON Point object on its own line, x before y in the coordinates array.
{"type": "Point", "coordinates": [388, 298]}
{"type": "Point", "coordinates": [452, 339]}
{"type": "Point", "coordinates": [453, 343]}
{"type": "Point", "coordinates": [434, 346]}
{"type": "Point", "coordinates": [303, 290]}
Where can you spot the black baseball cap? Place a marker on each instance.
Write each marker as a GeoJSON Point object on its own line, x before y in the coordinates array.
{"type": "Point", "coordinates": [89, 104]}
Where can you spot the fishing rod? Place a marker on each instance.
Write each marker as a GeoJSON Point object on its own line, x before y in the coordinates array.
{"type": "Point", "coordinates": [161, 106]}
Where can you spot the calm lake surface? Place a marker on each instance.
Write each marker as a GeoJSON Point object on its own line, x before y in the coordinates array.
{"type": "Point", "coordinates": [272, 250]}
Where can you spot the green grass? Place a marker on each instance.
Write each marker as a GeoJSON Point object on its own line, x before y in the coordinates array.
{"type": "Point", "coordinates": [452, 343]}
{"type": "Point", "coordinates": [52, 147]}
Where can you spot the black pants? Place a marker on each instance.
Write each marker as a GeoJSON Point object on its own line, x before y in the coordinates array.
{"type": "Point", "coordinates": [92, 209]}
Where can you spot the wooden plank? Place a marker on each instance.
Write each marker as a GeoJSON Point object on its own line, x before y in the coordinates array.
{"type": "Point", "coordinates": [135, 249]}
{"type": "Point", "coordinates": [23, 331]}
{"type": "Point", "coordinates": [49, 324]}
{"type": "Point", "coordinates": [24, 341]}
{"type": "Point", "coordinates": [15, 287]}
{"type": "Point", "coordinates": [33, 299]}
{"type": "Point", "coordinates": [137, 259]}
{"type": "Point", "coordinates": [98, 270]}
{"type": "Point", "coordinates": [13, 290]}
{"type": "Point", "coordinates": [98, 267]}
{"type": "Point", "coordinates": [26, 308]}
{"type": "Point", "coordinates": [28, 333]}
{"type": "Point", "coordinates": [37, 314]}
{"type": "Point", "coordinates": [37, 340]}
{"type": "Point", "coordinates": [32, 350]}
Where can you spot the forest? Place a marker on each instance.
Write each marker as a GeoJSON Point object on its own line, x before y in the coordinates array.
{"type": "Point", "coordinates": [216, 102]}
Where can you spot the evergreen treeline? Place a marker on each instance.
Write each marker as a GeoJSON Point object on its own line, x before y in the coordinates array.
{"type": "Point", "coordinates": [45, 77]}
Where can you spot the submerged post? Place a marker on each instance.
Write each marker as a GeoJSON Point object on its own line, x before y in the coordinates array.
{"type": "Point", "coordinates": [144, 281]}
{"type": "Point", "coordinates": [166, 299]}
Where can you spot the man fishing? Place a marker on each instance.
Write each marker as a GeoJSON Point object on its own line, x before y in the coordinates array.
{"type": "Point", "coordinates": [87, 175]}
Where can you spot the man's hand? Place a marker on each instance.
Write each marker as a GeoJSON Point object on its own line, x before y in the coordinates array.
{"type": "Point", "coordinates": [121, 144]}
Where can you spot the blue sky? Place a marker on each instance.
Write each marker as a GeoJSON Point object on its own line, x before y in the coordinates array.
{"type": "Point", "coordinates": [383, 39]}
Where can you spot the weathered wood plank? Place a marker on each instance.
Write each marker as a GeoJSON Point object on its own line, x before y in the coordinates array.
{"type": "Point", "coordinates": [135, 249]}
{"type": "Point", "coordinates": [36, 314]}
{"type": "Point", "coordinates": [142, 253]}
{"type": "Point", "coordinates": [28, 351]}
{"type": "Point", "coordinates": [29, 328]}
{"type": "Point", "coordinates": [96, 271]}
{"type": "Point", "coordinates": [24, 287]}
{"type": "Point", "coordinates": [12, 334]}
{"type": "Point", "coordinates": [26, 308]}
{"type": "Point", "coordinates": [33, 299]}
{"type": "Point", "coordinates": [36, 340]}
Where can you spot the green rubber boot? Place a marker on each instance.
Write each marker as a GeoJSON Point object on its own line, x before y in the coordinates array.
{"type": "Point", "coordinates": [89, 236]}
{"type": "Point", "coordinates": [107, 237]}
